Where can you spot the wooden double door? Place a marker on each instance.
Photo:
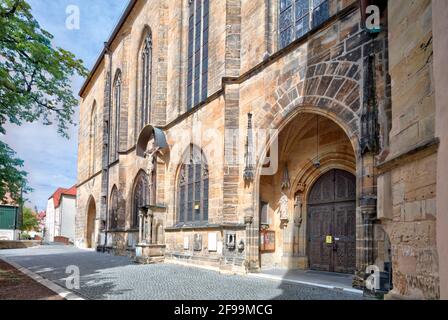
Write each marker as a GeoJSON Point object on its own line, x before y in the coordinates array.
{"type": "Point", "coordinates": [332, 223]}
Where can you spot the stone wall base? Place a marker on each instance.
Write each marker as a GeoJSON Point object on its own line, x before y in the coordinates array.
{"type": "Point", "coordinates": [300, 263]}
{"type": "Point", "coordinates": [150, 253]}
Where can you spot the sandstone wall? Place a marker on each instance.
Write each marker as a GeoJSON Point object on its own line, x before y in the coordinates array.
{"type": "Point", "coordinates": [440, 25]}
{"type": "Point", "coordinates": [409, 172]}
{"type": "Point", "coordinates": [329, 73]}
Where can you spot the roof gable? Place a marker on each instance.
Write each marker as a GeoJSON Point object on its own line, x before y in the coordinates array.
{"type": "Point", "coordinates": [57, 196]}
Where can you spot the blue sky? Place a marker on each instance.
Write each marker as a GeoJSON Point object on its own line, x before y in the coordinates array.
{"type": "Point", "coordinates": [50, 159]}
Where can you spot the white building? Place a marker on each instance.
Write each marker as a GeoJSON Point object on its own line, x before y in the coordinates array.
{"type": "Point", "coordinates": [60, 218]}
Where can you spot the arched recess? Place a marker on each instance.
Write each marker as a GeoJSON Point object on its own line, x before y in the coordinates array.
{"type": "Point", "coordinates": [143, 110]}
{"type": "Point", "coordinates": [159, 233]}
{"type": "Point", "coordinates": [303, 176]}
{"type": "Point", "coordinates": [91, 218]}
{"type": "Point", "coordinates": [192, 188]}
{"type": "Point", "coordinates": [331, 89]}
{"type": "Point", "coordinates": [141, 195]}
{"type": "Point", "coordinates": [117, 218]}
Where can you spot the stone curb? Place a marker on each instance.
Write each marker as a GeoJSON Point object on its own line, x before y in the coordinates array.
{"type": "Point", "coordinates": [312, 284]}
{"type": "Point", "coordinates": [60, 291]}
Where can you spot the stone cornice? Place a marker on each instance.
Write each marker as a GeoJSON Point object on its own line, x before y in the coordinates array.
{"type": "Point", "coordinates": [419, 151]}
{"type": "Point", "coordinates": [221, 227]}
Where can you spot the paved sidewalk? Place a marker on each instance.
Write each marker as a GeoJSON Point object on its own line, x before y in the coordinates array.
{"type": "Point", "coordinates": [105, 277]}
{"type": "Point", "coordinates": [329, 280]}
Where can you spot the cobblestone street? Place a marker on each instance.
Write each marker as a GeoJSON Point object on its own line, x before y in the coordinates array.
{"type": "Point", "coordinates": [109, 277]}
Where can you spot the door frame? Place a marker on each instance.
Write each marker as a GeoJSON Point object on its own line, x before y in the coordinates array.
{"type": "Point", "coordinates": [309, 205]}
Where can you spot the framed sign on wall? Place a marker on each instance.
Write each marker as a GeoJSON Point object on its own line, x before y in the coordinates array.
{"type": "Point", "coordinates": [267, 241]}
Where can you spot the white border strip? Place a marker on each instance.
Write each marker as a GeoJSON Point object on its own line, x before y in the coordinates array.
{"type": "Point", "coordinates": [60, 291]}
{"type": "Point", "coordinates": [313, 284]}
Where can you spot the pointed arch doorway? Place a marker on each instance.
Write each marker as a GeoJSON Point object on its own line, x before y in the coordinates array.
{"type": "Point", "coordinates": [91, 217]}
{"type": "Point", "coordinates": [332, 223]}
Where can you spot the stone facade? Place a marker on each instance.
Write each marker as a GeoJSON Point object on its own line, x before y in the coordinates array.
{"type": "Point", "coordinates": [409, 171]}
{"type": "Point", "coordinates": [337, 98]}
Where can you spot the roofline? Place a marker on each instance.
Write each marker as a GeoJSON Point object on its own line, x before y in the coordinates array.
{"type": "Point", "coordinates": [117, 28]}
{"type": "Point", "coordinates": [9, 205]}
{"type": "Point", "coordinates": [63, 191]}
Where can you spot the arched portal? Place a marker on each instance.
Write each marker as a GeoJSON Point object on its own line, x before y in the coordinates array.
{"type": "Point", "coordinates": [91, 218]}
{"type": "Point", "coordinates": [332, 223]}
{"type": "Point", "coordinates": [309, 147]}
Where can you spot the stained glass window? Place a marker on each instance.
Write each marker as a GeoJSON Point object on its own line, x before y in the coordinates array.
{"type": "Point", "coordinates": [198, 34]}
{"type": "Point", "coordinates": [146, 81]}
{"type": "Point", "coordinates": [298, 17]}
{"type": "Point", "coordinates": [193, 188]}
{"type": "Point", "coordinates": [115, 125]}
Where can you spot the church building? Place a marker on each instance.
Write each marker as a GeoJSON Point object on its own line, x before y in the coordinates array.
{"type": "Point", "coordinates": [244, 135]}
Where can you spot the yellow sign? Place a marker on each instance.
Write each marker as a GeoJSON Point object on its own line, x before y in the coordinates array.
{"type": "Point", "coordinates": [329, 240]}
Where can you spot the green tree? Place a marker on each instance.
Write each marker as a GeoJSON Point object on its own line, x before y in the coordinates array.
{"type": "Point", "coordinates": [30, 221]}
{"type": "Point", "coordinates": [11, 174]}
{"type": "Point", "coordinates": [35, 83]}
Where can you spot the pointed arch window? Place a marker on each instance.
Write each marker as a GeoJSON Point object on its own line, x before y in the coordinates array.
{"type": "Point", "coordinates": [93, 138]}
{"type": "Point", "coordinates": [298, 17]}
{"type": "Point", "coordinates": [115, 124]}
{"type": "Point", "coordinates": [144, 117]}
{"type": "Point", "coordinates": [198, 33]}
{"type": "Point", "coordinates": [193, 188]}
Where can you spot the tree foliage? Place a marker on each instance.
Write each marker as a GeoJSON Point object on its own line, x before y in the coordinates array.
{"type": "Point", "coordinates": [12, 175]}
{"type": "Point", "coordinates": [35, 81]}
{"type": "Point", "coordinates": [30, 220]}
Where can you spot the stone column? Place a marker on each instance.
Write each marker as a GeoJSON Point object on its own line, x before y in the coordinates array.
{"type": "Point", "coordinates": [150, 237]}
{"type": "Point", "coordinates": [298, 220]}
{"type": "Point", "coordinates": [140, 225]}
{"type": "Point", "coordinates": [252, 241]}
{"type": "Point", "coordinates": [365, 218]}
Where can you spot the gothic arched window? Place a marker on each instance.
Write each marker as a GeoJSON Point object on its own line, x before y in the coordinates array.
{"type": "Point", "coordinates": [198, 28]}
{"type": "Point", "coordinates": [93, 138]}
{"type": "Point", "coordinates": [298, 17]}
{"type": "Point", "coordinates": [115, 117]}
{"type": "Point", "coordinates": [141, 196]}
{"type": "Point", "coordinates": [193, 188]}
{"type": "Point", "coordinates": [113, 209]}
{"type": "Point", "coordinates": [144, 117]}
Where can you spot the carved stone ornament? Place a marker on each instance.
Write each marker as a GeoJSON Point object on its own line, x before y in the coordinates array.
{"type": "Point", "coordinates": [298, 211]}
{"type": "Point", "coordinates": [249, 168]}
{"type": "Point", "coordinates": [150, 155]}
{"type": "Point", "coordinates": [197, 244]}
{"type": "Point", "coordinates": [283, 208]}
{"type": "Point", "coordinates": [231, 241]}
{"type": "Point", "coordinates": [286, 184]}
{"type": "Point", "coordinates": [241, 246]}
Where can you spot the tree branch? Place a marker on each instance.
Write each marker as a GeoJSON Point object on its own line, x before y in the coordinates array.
{"type": "Point", "coordinates": [11, 11]}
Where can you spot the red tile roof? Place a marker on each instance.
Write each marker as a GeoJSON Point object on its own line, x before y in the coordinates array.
{"type": "Point", "coordinates": [62, 192]}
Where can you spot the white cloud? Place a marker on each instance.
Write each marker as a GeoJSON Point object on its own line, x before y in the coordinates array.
{"type": "Point", "coordinates": [51, 160]}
